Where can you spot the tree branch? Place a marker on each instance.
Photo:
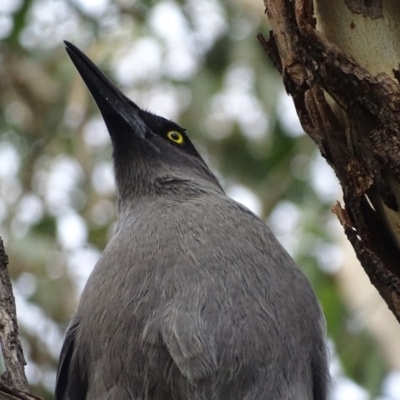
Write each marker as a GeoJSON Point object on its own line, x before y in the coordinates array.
{"type": "Point", "coordinates": [14, 360]}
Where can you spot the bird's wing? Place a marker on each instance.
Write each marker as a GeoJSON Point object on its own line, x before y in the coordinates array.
{"type": "Point", "coordinates": [69, 383]}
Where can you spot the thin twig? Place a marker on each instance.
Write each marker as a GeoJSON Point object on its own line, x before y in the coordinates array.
{"type": "Point", "coordinates": [7, 393]}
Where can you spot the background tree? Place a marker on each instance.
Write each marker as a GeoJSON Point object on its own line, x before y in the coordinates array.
{"type": "Point", "coordinates": [197, 63]}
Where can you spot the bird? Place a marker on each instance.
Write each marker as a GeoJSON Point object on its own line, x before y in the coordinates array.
{"type": "Point", "coordinates": [193, 297]}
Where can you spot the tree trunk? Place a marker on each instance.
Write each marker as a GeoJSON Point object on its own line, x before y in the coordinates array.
{"type": "Point", "coordinates": [338, 62]}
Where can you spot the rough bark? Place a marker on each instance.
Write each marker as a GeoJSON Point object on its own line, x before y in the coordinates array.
{"type": "Point", "coordinates": [10, 345]}
{"type": "Point", "coordinates": [13, 382]}
{"type": "Point", "coordinates": [353, 115]}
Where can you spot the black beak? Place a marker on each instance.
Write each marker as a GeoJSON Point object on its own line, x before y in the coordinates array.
{"type": "Point", "coordinates": [120, 114]}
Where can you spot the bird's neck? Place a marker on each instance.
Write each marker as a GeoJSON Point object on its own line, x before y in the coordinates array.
{"type": "Point", "coordinates": [165, 190]}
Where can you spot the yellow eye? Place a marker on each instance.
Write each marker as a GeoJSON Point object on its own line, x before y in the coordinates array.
{"type": "Point", "coordinates": [175, 136]}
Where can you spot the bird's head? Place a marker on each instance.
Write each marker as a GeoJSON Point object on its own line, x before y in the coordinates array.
{"type": "Point", "coordinates": [152, 155]}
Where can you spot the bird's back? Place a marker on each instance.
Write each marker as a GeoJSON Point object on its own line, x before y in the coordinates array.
{"type": "Point", "coordinates": [196, 300]}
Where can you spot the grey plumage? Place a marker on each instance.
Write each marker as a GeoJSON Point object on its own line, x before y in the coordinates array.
{"type": "Point", "coordinates": [193, 297]}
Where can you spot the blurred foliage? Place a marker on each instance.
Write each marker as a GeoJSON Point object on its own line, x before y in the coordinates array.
{"type": "Point", "coordinates": [56, 201]}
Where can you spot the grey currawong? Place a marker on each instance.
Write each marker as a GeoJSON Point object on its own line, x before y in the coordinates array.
{"type": "Point", "coordinates": [193, 297]}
